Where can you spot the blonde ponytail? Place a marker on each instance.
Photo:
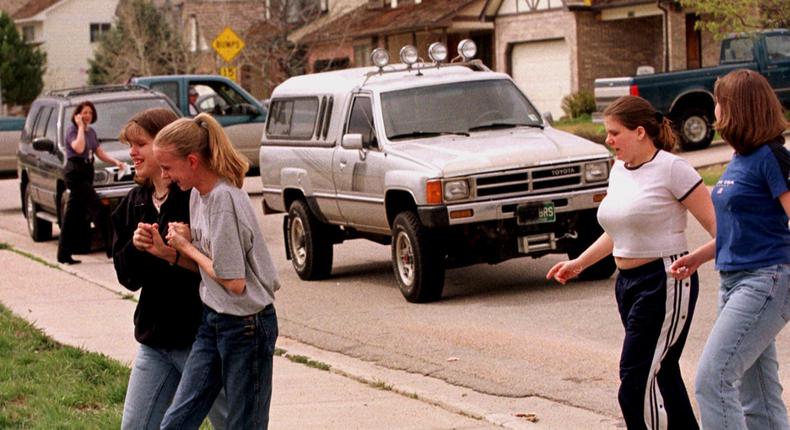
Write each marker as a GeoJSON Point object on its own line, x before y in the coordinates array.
{"type": "Point", "coordinates": [204, 136]}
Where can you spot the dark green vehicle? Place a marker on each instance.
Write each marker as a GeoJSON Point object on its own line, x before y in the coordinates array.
{"type": "Point", "coordinates": [41, 156]}
{"type": "Point", "coordinates": [686, 97]}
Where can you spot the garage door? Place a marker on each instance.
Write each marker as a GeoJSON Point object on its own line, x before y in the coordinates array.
{"type": "Point", "coordinates": [543, 71]}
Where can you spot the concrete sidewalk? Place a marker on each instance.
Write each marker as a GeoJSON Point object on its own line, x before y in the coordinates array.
{"type": "Point", "coordinates": [84, 311]}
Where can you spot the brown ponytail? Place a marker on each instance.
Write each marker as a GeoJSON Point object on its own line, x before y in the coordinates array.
{"type": "Point", "coordinates": [633, 112]}
{"type": "Point", "coordinates": [204, 136]}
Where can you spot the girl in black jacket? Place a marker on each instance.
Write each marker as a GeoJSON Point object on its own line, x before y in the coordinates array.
{"type": "Point", "coordinates": [169, 310]}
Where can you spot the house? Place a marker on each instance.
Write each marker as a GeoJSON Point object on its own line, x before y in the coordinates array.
{"type": "Point", "coordinates": [348, 40]}
{"type": "Point", "coordinates": [11, 6]}
{"type": "Point", "coordinates": [67, 31]}
{"type": "Point", "coordinates": [553, 48]}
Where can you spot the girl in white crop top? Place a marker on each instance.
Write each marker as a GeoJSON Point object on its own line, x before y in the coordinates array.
{"type": "Point", "coordinates": [644, 221]}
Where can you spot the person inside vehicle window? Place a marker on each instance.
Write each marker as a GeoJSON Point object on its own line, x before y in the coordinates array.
{"type": "Point", "coordinates": [81, 146]}
{"type": "Point", "coordinates": [193, 96]}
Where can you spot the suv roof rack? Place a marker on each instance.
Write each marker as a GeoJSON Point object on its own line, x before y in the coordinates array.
{"type": "Point", "coordinates": [68, 92]}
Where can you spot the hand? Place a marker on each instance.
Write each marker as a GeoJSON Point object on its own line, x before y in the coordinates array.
{"type": "Point", "coordinates": [181, 229]}
{"type": "Point", "coordinates": [684, 266]}
{"type": "Point", "coordinates": [563, 271]}
{"type": "Point", "coordinates": [78, 121]}
{"type": "Point", "coordinates": [158, 246]}
{"type": "Point", "coordinates": [142, 238]}
{"type": "Point", "coordinates": [177, 237]}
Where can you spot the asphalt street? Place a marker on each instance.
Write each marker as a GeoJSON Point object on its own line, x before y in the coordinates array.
{"type": "Point", "coordinates": [502, 330]}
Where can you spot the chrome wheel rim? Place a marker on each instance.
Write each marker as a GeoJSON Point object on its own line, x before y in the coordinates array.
{"type": "Point", "coordinates": [30, 208]}
{"type": "Point", "coordinates": [297, 239]}
{"type": "Point", "coordinates": [695, 129]}
{"type": "Point", "coordinates": [404, 256]}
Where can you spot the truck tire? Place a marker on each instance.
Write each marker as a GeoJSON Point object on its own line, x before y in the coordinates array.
{"type": "Point", "coordinates": [416, 259]}
{"type": "Point", "coordinates": [695, 129]}
{"type": "Point", "coordinates": [309, 242]}
{"type": "Point", "coordinates": [589, 231]}
{"type": "Point", "coordinates": [40, 230]}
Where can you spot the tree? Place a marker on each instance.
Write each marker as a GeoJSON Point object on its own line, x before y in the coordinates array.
{"type": "Point", "coordinates": [21, 66]}
{"type": "Point", "coordinates": [727, 16]}
{"type": "Point", "coordinates": [141, 43]}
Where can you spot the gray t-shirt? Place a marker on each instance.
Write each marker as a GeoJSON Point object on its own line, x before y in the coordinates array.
{"type": "Point", "coordinates": [224, 227]}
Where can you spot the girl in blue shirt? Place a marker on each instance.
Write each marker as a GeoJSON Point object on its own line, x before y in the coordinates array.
{"type": "Point", "coordinates": [737, 383]}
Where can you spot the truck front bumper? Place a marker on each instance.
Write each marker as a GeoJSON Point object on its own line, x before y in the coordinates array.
{"type": "Point", "coordinates": [493, 210]}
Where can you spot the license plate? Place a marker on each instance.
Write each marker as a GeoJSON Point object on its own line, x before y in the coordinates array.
{"type": "Point", "coordinates": [536, 213]}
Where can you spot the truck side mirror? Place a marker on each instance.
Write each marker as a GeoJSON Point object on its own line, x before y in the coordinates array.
{"type": "Point", "coordinates": [548, 117]}
{"type": "Point", "coordinates": [43, 144]}
{"type": "Point", "coordinates": [352, 141]}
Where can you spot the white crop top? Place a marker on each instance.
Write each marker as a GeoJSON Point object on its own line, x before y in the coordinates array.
{"type": "Point", "coordinates": [642, 211]}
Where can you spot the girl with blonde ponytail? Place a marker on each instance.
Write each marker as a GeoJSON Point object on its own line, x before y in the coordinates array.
{"type": "Point", "coordinates": [644, 220]}
{"type": "Point", "coordinates": [234, 347]}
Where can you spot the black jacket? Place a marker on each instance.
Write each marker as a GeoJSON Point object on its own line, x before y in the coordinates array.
{"type": "Point", "coordinates": [169, 311]}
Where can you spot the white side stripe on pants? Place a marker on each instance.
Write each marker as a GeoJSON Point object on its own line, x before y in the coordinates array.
{"type": "Point", "coordinates": [675, 316]}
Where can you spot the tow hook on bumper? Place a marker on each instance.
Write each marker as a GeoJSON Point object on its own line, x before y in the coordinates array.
{"type": "Point", "coordinates": [542, 242]}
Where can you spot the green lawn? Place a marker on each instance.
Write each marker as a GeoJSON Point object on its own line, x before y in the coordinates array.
{"type": "Point", "coordinates": [710, 175]}
{"type": "Point", "coordinates": [45, 385]}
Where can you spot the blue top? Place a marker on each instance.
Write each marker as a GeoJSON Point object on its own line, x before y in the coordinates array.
{"type": "Point", "coordinates": [751, 224]}
{"type": "Point", "coordinates": [91, 143]}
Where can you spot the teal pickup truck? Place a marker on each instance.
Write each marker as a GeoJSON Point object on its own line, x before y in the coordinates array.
{"type": "Point", "coordinates": [686, 97]}
{"type": "Point", "coordinates": [10, 131]}
{"type": "Point", "coordinates": [242, 116]}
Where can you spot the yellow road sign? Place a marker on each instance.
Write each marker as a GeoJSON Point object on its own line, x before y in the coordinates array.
{"type": "Point", "coordinates": [229, 72]}
{"type": "Point", "coordinates": [228, 44]}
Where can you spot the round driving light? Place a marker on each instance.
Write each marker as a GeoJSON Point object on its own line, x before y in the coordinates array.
{"type": "Point", "coordinates": [437, 52]}
{"type": "Point", "coordinates": [467, 49]}
{"type": "Point", "coordinates": [380, 57]}
{"type": "Point", "coordinates": [408, 55]}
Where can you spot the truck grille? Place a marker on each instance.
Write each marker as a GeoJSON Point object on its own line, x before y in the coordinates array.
{"type": "Point", "coordinates": [522, 181]}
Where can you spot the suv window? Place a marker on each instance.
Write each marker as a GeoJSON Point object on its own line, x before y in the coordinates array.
{"type": "Point", "coordinates": [294, 118]}
{"type": "Point", "coordinates": [52, 127]}
{"type": "Point", "coordinates": [113, 114]}
{"type": "Point", "coordinates": [41, 122]}
{"type": "Point", "coordinates": [361, 120]}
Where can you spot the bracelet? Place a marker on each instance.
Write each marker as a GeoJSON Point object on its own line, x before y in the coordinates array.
{"type": "Point", "coordinates": [178, 255]}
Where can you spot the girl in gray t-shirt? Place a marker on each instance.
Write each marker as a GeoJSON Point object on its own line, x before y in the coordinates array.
{"type": "Point", "coordinates": [234, 347]}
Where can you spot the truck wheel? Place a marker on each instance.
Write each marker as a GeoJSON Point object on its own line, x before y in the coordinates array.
{"type": "Point", "coordinates": [695, 129]}
{"type": "Point", "coordinates": [416, 259]}
{"type": "Point", "coordinates": [589, 231]}
{"type": "Point", "coordinates": [309, 243]}
{"type": "Point", "coordinates": [40, 230]}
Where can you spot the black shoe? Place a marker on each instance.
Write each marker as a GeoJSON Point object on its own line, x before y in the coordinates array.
{"type": "Point", "coordinates": [69, 261]}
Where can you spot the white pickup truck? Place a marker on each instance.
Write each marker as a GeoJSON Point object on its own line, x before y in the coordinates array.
{"type": "Point", "coordinates": [449, 163]}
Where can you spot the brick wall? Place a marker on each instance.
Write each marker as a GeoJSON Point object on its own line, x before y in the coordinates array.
{"type": "Point", "coordinates": [616, 48]}
{"type": "Point", "coordinates": [677, 41]}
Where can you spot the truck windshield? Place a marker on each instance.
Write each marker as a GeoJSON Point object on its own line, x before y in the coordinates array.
{"type": "Point", "coordinates": [459, 107]}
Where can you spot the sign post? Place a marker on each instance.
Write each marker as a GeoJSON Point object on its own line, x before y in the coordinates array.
{"type": "Point", "coordinates": [228, 45]}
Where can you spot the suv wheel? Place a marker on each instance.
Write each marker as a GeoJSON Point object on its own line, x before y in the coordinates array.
{"type": "Point", "coordinates": [416, 259]}
{"type": "Point", "coordinates": [589, 231]}
{"type": "Point", "coordinates": [309, 243]}
{"type": "Point", "coordinates": [40, 230]}
{"type": "Point", "coordinates": [696, 131]}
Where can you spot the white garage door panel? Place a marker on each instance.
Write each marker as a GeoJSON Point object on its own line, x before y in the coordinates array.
{"type": "Point", "coordinates": [543, 71]}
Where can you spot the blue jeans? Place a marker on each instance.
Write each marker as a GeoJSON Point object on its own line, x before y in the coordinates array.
{"type": "Point", "coordinates": [738, 377]}
{"type": "Point", "coordinates": [153, 384]}
{"type": "Point", "coordinates": [233, 352]}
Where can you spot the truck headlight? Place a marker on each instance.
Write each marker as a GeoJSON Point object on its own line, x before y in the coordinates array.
{"type": "Point", "coordinates": [596, 172]}
{"type": "Point", "coordinates": [101, 177]}
{"type": "Point", "coordinates": [456, 190]}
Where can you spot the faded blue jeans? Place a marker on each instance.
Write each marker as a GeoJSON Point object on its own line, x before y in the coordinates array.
{"type": "Point", "coordinates": [153, 384]}
{"type": "Point", "coordinates": [738, 383]}
{"type": "Point", "coordinates": [234, 352]}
